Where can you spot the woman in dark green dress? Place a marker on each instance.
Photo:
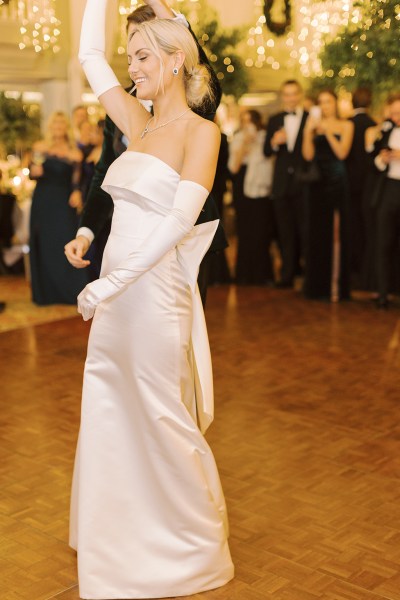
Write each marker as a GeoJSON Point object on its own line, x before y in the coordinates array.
{"type": "Point", "coordinates": [56, 165]}
{"type": "Point", "coordinates": [327, 140]}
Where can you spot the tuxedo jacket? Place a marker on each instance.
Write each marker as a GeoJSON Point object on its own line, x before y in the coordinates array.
{"type": "Point", "coordinates": [380, 176]}
{"type": "Point", "coordinates": [287, 163]}
{"type": "Point", "coordinates": [98, 208]}
{"type": "Point", "coordinates": [222, 172]}
{"type": "Point", "coordinates": [357, 161]}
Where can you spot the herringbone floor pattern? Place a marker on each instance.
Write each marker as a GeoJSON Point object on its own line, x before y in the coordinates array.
{"type": "Point", "coordinates": [306, 436]}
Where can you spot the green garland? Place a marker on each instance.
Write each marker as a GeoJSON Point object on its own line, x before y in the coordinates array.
{"type": "Point", "coordinates": [277, 28]}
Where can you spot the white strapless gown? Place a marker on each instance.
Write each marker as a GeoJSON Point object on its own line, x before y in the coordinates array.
{"type": "Point", "coordinates": [148, 516]}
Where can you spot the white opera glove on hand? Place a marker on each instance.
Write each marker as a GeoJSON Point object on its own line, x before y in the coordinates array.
{"type": "Point", "coordinates": [188, 202]}
{"type": "Point", "coordinates": [92, 48]}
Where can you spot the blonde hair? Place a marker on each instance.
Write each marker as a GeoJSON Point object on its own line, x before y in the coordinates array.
{"type": "Point", "coordinates": [171, 37]}
{"type": "Point", "coordinates": [68, 134]}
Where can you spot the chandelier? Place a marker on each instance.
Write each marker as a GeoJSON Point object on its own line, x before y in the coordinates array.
{"type": "Point", "coordinates": [38, 24]}
{"type": "Point", "coordinates": [315, 23]}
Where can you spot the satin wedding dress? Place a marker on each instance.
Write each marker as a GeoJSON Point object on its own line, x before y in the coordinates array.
{"type": "Point", "coordinates": [148, 516]}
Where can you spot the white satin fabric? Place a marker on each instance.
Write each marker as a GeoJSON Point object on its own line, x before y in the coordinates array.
{"type": "Point", "coordinates": [148, 516]}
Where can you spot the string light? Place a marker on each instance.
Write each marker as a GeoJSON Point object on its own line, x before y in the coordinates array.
{"type": "Point", "coordinates": [125, 8]}
{"type": "Point", "coordinates": [38, 24]}
{"type": "Point", "coordinates": [315, 23]}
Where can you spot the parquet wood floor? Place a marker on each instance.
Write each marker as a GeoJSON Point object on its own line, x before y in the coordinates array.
{"type": "Point", "coordinates": [306, 436]}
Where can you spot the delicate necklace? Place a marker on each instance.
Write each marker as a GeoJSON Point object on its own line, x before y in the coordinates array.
{"type": "Point", "coordinates": [147, 130]}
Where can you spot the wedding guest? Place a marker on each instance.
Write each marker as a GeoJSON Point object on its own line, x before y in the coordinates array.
{"type": "Point", "coordinates": [84, 142]}
{"type": "Point", "coordinates": [357, 168]}
{"type": "Point", "coordinates": [56, 165]}
{"type": "Point", "coordinates": [95, 144]}
{"type": "Point", "coordinates": [254, 212]}
{"type": "Point", "coordinates": [386, 150]}
{"type": "Point", "coordinates": [79, 115]}
{"type": "Point", "coordinates": [374, 180]}
{"type": "Point", "coordinates": [284, 140]}
{"type": "Point", "coordinates": [327, 141]}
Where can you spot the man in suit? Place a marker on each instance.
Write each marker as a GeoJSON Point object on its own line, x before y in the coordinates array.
{"type": "Point", "coordinates": [386, 151]}
{"type": "Point", "coordinates": [357, 166]}
{"type": "Point", "coordinates": [284, 140]}
{"type": "Point", "coordinates": [96, 217]}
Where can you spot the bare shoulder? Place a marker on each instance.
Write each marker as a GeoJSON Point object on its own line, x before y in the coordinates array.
{"type": "Point", "coordinates": [203, 139]}
{"type": "Point", "coordinates": [202, 129]}
{"type": "Point", "coordinates": [347, 125]}
{"type": "Point", "coordinates": [202, 133]}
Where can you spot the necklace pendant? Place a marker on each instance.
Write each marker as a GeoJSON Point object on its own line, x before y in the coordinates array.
{"type": "Point", "coordinates": [145, 130]}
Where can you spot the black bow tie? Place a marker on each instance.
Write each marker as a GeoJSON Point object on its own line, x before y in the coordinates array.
{"type": "Point", "coordinates": [290, 112]}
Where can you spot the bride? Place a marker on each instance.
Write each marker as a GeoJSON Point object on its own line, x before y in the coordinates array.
{"type": "Point", "coordinates": [148, 516]}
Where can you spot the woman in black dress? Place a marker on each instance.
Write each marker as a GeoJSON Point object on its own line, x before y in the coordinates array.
{"type": "Point", "coordinates": [327, 140]}
{"type": "Point", "coordinates": [252, 178]}
{"type": "Point", "coordinates": [56, 165]}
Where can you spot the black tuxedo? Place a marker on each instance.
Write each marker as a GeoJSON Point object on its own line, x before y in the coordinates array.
{"type": "Point", "coordinates": [386, 199]}
{"type": "Point", "coordinates": [288, 196]}
{"type": "Point", "coordinates": [98, 208]}
{"type": "Point", "coordinates": [357, 160]}
{"type": "Point", "coordinates": [357, 164]}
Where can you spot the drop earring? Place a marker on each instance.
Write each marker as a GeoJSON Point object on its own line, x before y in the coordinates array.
{"type": "Point", "coordinates": [175, 70]}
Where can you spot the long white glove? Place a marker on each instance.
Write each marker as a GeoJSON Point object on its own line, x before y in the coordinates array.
{"type": "Point", "coordinates": [188, 202]}
{"type": "Point", "coordinates": [92, 48]}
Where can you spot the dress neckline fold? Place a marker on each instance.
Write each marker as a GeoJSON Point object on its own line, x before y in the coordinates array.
{"type": "Point", "coordinates": [155, 157]}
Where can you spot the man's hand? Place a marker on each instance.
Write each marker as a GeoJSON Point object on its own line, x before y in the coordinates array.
{"type": "Point", "coordinates": [161, 9]}
{"type": "Point", "coordinates": [279, 138]}
{"type": "Point", "coordinates": [36, 171]}
{"type": "Point", "coordinates": [385, 156]}
{"type": "Point", "coordinates": [75, 250]}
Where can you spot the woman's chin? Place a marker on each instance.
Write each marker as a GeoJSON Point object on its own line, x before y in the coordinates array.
{"type": "Point", "coordinates": [144, 95]}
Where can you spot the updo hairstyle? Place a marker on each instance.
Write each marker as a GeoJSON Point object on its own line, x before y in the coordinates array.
{"type": "Point", "coordinates": [171, 37]}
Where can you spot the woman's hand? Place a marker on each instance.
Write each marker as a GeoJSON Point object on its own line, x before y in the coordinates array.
{"type": "Point", "coordinates": [95, 292]}
{"type": "Point", "coordinates": [323, 128]}
{"type": "Point", "coordinates": [75, 200]}
{"type": "Point", "coordinates": [394, 155]}
{"type": "Point", "coordinates": [312, 124]}
{"type": "Point", "coordinates": [35, 171]}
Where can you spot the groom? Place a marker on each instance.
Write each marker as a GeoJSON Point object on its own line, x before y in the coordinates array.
{"type": "Point", "coordinates": [97, 213]}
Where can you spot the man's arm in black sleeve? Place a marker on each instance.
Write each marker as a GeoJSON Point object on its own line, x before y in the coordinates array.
{"type": "Point", "coordinates": [99, 206]}
{"type": "Point", "coordinates": [209, 108]}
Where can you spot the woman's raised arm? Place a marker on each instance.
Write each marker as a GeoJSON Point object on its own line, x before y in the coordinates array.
{"type": "Point", "coordinates": [125, 110]}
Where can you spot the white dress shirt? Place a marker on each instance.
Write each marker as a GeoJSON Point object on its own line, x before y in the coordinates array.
{"type": "Point", "coordinates": [258, 178]}
{"type": "Point", "coordinates": [394, 165]}
{"type": "Point", "coordinates": [291, 125]}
